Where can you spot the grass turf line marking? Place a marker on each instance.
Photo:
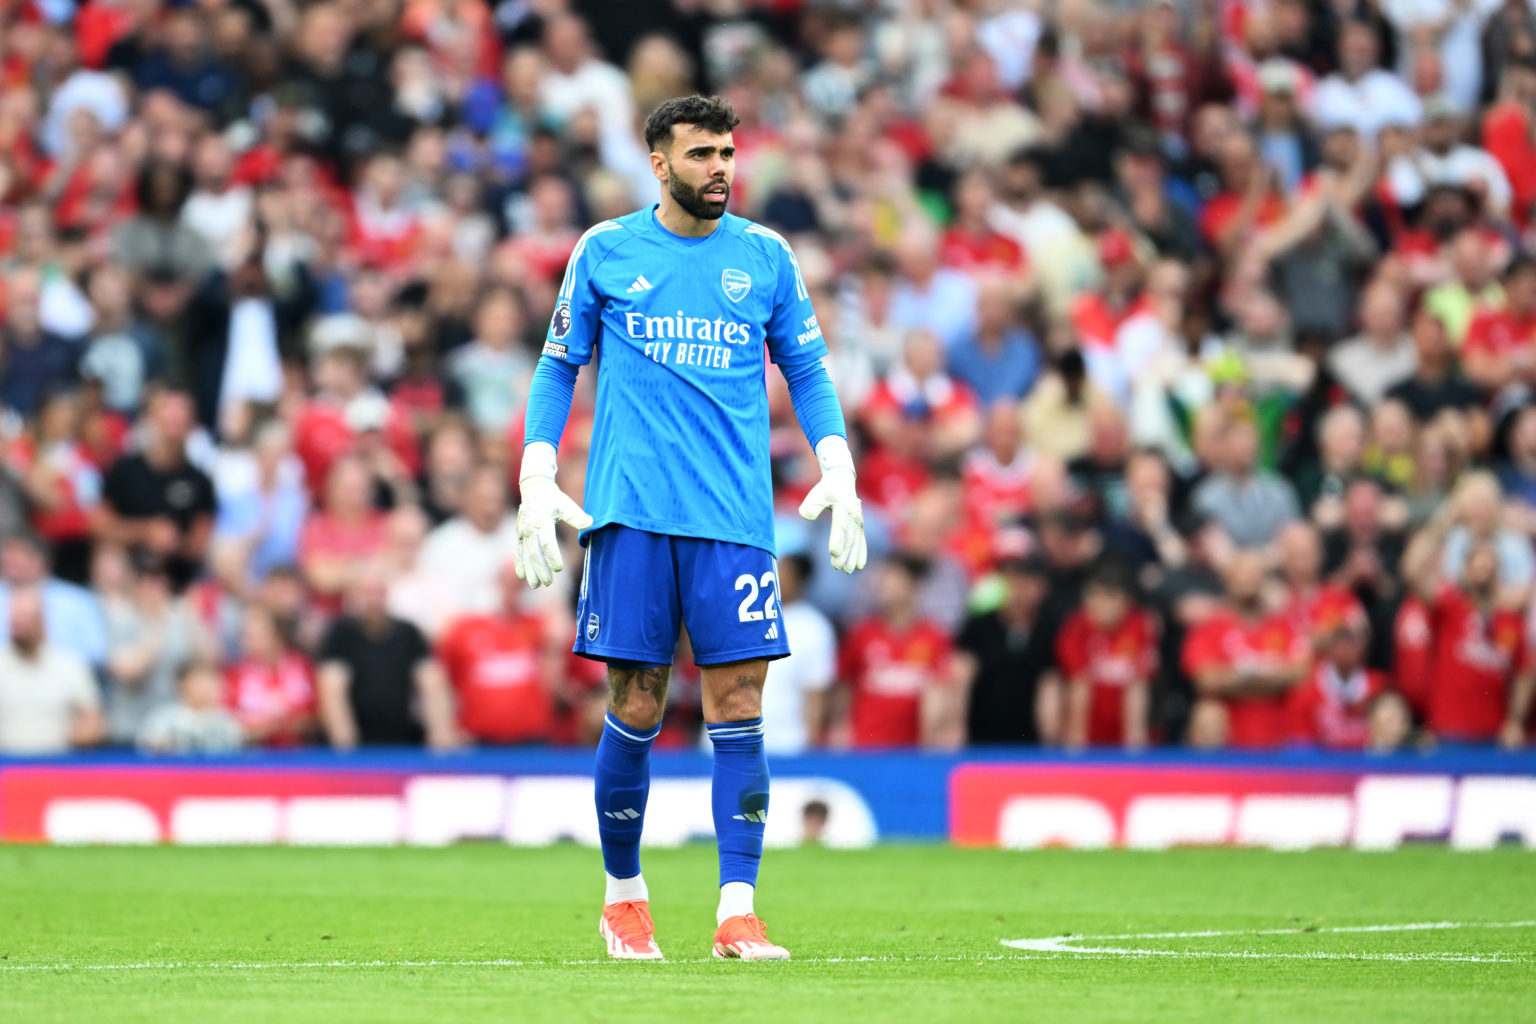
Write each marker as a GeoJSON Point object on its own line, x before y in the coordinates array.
{"type": "Point", "coordinates": [1064, 944]}
{"type": "Point", "coordinates": [1051, 945]}
{"type": "Point", "coordinates": [298, 965]}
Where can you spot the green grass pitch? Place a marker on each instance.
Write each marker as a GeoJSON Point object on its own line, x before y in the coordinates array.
{"type": "Point", "coordinates": [474, 934]}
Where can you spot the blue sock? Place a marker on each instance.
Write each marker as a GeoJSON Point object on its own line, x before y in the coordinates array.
{"type": "Point", "coordinates": [739, 797]}
{"type": "Point", "coordinates": [622, 782]}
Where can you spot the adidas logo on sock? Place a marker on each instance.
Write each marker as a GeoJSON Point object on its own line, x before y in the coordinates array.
{"type": "Point", "coordinates": [628, 813]}
{"type": "Point", "coordinates": [759, 817]}
{"type": "Point", "coordinates": [640, 285]}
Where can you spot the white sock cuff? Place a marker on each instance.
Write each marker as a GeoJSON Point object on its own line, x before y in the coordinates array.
{"type": "Point", "coordinates": [735, 900]}
{"type": "Point", "coordinates": [622, 890]}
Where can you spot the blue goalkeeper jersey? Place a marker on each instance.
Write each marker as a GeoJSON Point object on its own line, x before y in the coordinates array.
{"type": "Point", "coordinates": [680, 439]}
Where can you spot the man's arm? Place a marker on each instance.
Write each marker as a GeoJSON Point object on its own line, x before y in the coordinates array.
{"type": "Point", "coordinates": [1422, 559]}
{"type": "Point", "coordinates": [1249, 680]}
{"type": "Point", "coordinates": [1074, 733]}
{"type": "Point", "coordinates": [1522, 693]}
{"type": "Point", "coordinates": [87, 728]}
{"type": "Point", "coordinates": [437, 710]}
{"type": "Point", "coordinates": [335, 705]}
{"type": "Point", "coordinates": [1135, 712]}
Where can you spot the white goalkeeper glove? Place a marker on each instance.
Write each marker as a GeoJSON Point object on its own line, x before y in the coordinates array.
{"type": "Point", "coordinates": [836, 491]}
{"type": "Point", "coordinates": [538, 549]}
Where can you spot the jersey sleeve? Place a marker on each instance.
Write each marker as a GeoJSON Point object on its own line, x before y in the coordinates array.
{"type": "Point", "coordinates": [1202, 649]}
{"type": "Point", "coordinates": [573, 329]}
{"type": "Point", "coordinates": [1146, 636]}
{"type": "Point", "coordinates": [1071, 651]}
{"type": "Point", "coordinates": [794, 335]}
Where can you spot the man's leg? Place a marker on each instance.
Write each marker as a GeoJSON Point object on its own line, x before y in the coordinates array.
{"type": "Point", "coordinates": [733, 713]}
{"type": "Point", "coordinates": [622, 780]}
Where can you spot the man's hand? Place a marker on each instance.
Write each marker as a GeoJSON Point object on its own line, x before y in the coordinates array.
{"type": "Point", "coordinates": [544, 503]}
{"type": "Point", "coordinates": [836, 491]}
{"type": "Point", "coordinates": [1512, 736]}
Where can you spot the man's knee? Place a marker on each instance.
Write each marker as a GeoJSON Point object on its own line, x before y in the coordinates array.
{"type": "Point", "coordinates": [735, 691]}
{"type": "Point", "coordinates": [1207, 725]}
{"type": "Point", "coordinates": [637, 695]}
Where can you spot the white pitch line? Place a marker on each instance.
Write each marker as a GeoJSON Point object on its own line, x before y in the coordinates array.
{"type": "Point", "coordinates": [1064, 944]}
{"type": "Point", "coordinates": [296, 965]}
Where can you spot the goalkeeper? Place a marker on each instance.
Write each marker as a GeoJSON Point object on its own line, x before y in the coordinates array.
{"type": "Point", "coordinates": [684, 302]}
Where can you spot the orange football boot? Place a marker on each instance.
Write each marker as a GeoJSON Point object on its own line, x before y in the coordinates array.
{"type": "Point", "coordinates": [744, 937]}
{"type": "Point", "coordinates": [629, 931]}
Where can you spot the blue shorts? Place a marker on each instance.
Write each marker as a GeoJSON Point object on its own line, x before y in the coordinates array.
{"type": "Point", "coordinates": [638, 587]}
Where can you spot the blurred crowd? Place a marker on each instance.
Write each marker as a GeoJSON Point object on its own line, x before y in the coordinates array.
{"type": "Point", "coordinates": [1187, 349]}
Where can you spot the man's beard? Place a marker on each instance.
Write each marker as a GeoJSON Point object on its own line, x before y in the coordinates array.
{"type": "Point", "coordinates": [693, 201]}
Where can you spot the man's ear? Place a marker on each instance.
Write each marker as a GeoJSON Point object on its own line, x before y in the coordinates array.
{"type": "Point", "coordinates": [659, 166]}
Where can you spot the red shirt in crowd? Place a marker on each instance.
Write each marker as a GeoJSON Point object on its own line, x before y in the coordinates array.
{"type": "Point", "coordinates": [259, 694]}
{"type": "Point", "coordinates": [1323, 609]}
{"type": "Point", "coordinates": [1227, 640]}
{"type": "Point", "coordinates": [321, 436]}
{"type": "Point", "coordinates": [1507, 136]}
{"type": "Point", "coordinates": [76, 481]}
{"type": "Point", "coordinates": [888, 670]}
{"type": "Point", "coordinates": [1499, 333]}
{"type": "Point", "coordinates": [325, 536]}
{"type": "Point", "coordinates": [1109, 660]}
{"type": "Point", "coordinates": [494, 664]}
{"type": "Point", "coordinates": [1097, 322]}
{"type": "Point", "coordinates": [1413, 654]}
{"type": "Point", "coordinates": [1328, 711]}
{"type": "Point", "coordinates": [1224, 206]}
{"type": "Point", "coordinates": [1476, 657]}
{"type": "Point", "coordinates": [988, 251]}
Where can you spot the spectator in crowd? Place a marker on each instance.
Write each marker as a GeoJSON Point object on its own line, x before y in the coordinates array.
{"type": "Point", "coordinates": [1243, 661]}
{"type": "Point", "coordinates": [35, 359]}
{"type": "Point", "coordinates": [1361, 94]}
{"type": "Point", "coordinates": [1001, 360]}
{"type": "Point", "coordinates": [1484, 681]}
{"type": "Point", "coordinates": [1382, 355]}
{"type": "Point", "coordinates": [919, 388]}
{"type": "Point", "coordinates": [72, 614]}
{"type": "Point", "coordinates": [1107, 651]}
{"type": "Point", "coordinates": [897, 671]}
{"type": "Point", "coordinates": [795, 698]}
{"type": "Point", "coordinates": [343, 535]}
{"type": "Point", "coordinates": [503, 666]}
{"type": "Point", "coordinates": [196, 722]}
{"type": "Point", "coordinates": [1361, 555]}
{"type": "Point", "coordinates": [48, 700]}
{"type": "Point", "coordinates": [1342, 704]}
{"type": "Point", "coordinates": [1058, 412]}
{"type": "Point", "coordinates": [156, 499]}
{"type": "Point", "coordinates": [61, 481]}
{"type": "Point", "coordinates": [266, 509]}
{"type": "Point", "coordinates": [1436, 384]}
{"type": "Point", "coordinates": [927, 295]}
{"type": "Point", "coordinates": [271, 687]}
{"type": "Point", "coordinates": [378, 682]}
{"type": "Point", "coordinates": [1340, 451]}
{"type": "Point", "coordinates": [1250, 503]}
{"type": "Point", "coordinates": [493, 371]}
{"type": "Point", "coordinates": [1477, 511]}
{"type": "Point", "coordinates": [1005, 658]}
{"type": "Point", "coordinates": [1307, 600]}
{"type": "Point", "coordinates": [1501, 342]}
{"type": "Point", "coordinates": [1473, 288]}
{"type": "Point", "coordinates": [468, 551]}
{"type": "Point", "coordinates": [154, 635]}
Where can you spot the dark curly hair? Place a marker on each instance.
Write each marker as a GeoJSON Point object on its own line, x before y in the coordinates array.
{"type": "Point", "coordinates": [711, 113]}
